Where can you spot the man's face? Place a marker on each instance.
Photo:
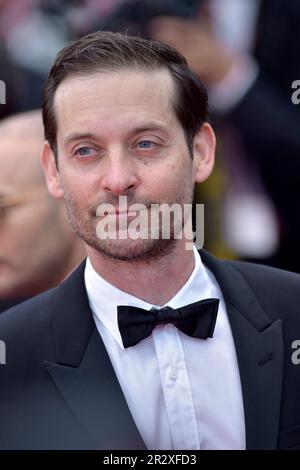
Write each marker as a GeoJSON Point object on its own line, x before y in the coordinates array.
{"type": "Point", "coordinates": [117, 135]}
{"type": "Point", "coordinates": [32, 241]}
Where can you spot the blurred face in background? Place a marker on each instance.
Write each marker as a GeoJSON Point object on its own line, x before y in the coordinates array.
{"type": "Point", "coordinates": [35, 238]}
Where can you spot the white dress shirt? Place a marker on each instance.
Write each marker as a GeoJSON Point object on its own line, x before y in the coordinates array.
{"type": "Point", "coordinates": [183, 393]}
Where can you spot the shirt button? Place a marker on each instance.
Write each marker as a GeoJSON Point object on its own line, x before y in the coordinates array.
{"type": "Point", "coordinates": [173, 374]}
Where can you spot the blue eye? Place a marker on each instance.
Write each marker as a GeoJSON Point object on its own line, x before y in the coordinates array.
{"type": "Point", "coordinates": [84, 151]}
{"type": "Point", "coordinates": [145, 144]}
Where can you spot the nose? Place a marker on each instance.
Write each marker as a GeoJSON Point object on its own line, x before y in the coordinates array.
{"type": "Point", "coordinates": [120, 174]}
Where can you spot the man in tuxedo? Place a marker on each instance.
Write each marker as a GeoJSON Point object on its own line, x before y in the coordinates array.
{"type": "Point", "coordinates": [148, 344]}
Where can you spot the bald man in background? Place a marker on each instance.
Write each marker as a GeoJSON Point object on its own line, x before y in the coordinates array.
{"type": "Point", "coordinates": [37, 246]}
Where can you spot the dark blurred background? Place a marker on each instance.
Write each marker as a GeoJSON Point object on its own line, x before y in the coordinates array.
{"type": "Point", "coordinates": [247, 52]}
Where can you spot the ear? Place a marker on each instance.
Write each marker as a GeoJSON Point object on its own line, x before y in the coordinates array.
{"type": "Point", "coordinates": [51, 172]}
{"type": "Point", "coordinates": [204, 146]}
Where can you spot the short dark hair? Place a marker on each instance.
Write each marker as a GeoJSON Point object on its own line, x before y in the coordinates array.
{"type": "Point", "coordinates": [107, 51]}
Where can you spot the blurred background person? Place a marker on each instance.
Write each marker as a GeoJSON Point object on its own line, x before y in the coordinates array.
{"type": "Point", "coordinates": [37, 246]}
{"type": "Point", "coordinates": [31, 34]}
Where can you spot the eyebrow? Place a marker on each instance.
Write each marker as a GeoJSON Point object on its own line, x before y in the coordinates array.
{"type": "Point", "coordinates": [88, 135]}
{"type": "Point", "coordinates": [78, 136]}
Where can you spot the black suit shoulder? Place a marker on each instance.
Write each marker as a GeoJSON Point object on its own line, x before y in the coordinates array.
{"type": "Point", "coordinates": [261, 274]}
{"type": "Point", "coordinates": [45, 327]}
{"type": "Point", "coordinates": [277, 290]}
{"type": "Point", "coordinates": [21, 315]}
{"type": "Point", "coordinates": [27, 329]}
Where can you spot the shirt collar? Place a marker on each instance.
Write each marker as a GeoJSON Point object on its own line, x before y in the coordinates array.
{"type": "Point", "coordinates": [105, 297]}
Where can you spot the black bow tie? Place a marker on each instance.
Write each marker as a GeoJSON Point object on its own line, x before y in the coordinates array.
{"type": "Point", "coordinates": [197, 320]}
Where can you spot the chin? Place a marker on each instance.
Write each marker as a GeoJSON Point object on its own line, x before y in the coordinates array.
{"type": "Point", "coordinates": [135, 250]}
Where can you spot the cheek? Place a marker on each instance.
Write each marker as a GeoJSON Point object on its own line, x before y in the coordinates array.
{"type": "Point", "coordinates": [175, 178]}
{"type": "Point", "coordinates": [78, 187]}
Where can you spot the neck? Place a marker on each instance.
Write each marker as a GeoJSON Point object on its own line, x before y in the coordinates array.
{"type": "Point", "coordinates": [155, 282]}
{"type": "Point", "coordinates": [75, 256]}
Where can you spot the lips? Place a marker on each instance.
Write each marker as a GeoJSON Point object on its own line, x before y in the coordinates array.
{"type": "Point", "coordinates": [105, 209]}
{"type": "Point", "coordinates": [130, 213]}
{"type": "Point", "coordinates": [119, 213]}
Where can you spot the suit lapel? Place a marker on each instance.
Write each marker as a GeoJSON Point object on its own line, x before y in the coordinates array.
{"type": "Point", "coordinates": [259, 348]}
{"type": "Point", "coordinates": [83, 373]}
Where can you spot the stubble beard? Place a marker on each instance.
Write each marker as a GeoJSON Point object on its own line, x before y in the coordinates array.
{"type": "Point", "coordinates": [140, 250]}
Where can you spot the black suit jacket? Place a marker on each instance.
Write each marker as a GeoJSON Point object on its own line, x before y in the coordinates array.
{"type": "Point", "coordinates": [58, 389]}
{"type": "Point", "coordinates": [5, 304]}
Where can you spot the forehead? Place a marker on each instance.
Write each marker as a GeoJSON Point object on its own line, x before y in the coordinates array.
{"type": "Point", "coordinates": [115, 100]}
